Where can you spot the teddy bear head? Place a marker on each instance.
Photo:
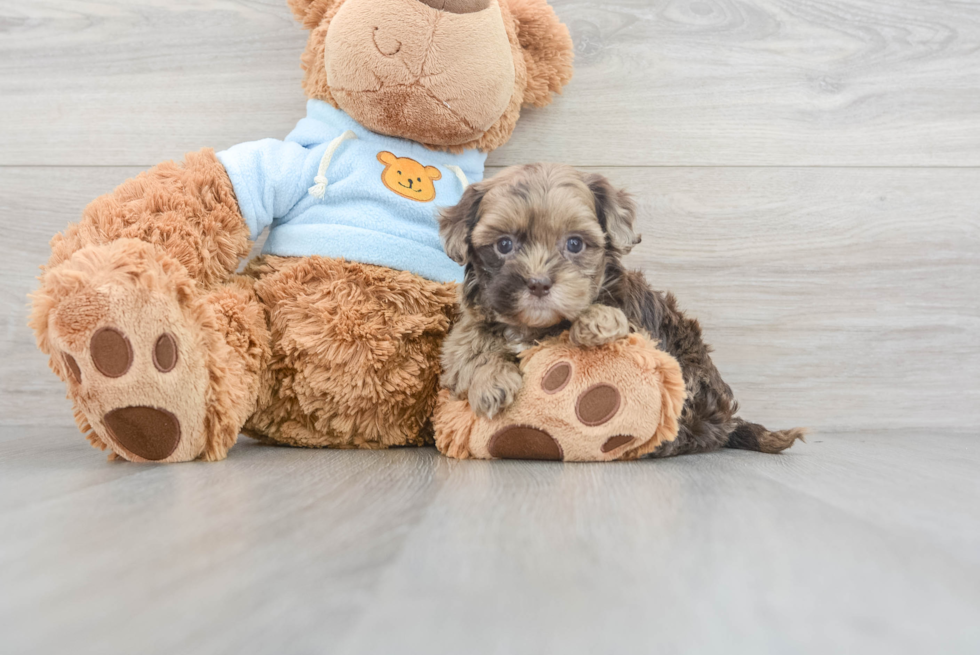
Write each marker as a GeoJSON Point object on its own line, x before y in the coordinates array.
{"type": "Point", "coordinates": [450, 74]}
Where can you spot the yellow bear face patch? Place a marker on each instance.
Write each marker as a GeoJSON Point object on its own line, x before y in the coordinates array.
{"type": "Point", "coordinates": [408, 178]}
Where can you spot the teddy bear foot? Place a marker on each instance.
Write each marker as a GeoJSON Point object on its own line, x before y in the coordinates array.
{"type": "Point", "coordinates": [614, 401]}
{"type": "Point", "coordinates": [125, 328]}
{"type": "Point", "coordinates": [595, 408]}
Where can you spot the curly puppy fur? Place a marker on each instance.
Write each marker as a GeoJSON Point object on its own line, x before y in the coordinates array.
{"type": "Point", "coordinates": [542, 246]}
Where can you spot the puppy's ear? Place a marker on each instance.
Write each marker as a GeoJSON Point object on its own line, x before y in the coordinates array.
{"type": "Point", "coordinates": [456, 223]}
{"type": "Point", "coordinates": [616, 212]}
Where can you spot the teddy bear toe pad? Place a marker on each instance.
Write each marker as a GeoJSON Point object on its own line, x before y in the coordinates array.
{"type": "Point", "coordinates": [557, 377]}
{"type": "Point", "coordinates": [112, 354]}
{"type": "Point", "coordinates": [616, 442]}
{"type": "Point", "coordinates": [598, 405]}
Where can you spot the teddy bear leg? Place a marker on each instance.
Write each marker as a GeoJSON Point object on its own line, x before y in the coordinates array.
{"type": "Point", "coordinates": [188, 210]}
{"type": "Point", "coordinates": [355, 353]}
{"type": "Point", "coordinates": [158, 369]}
{"type": "Point", "coordinates": [140, 315]}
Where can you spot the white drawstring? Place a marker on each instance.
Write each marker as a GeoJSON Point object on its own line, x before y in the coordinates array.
{"type": "Point", "coordinates": [319, 189]}
{"type": "Point", "coordinates": [460, 174]}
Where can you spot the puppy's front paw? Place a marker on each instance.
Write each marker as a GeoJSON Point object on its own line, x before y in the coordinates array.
{"type": "Point", "coordinates": [493, 388]}
{"type": "Point", "coordinates": [598, 325]}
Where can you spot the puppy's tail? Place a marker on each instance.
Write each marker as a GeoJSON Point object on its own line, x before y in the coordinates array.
{"type": "Point", "coordinates": [752, 436]}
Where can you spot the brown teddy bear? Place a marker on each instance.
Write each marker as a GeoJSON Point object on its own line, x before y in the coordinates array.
{"type": "Point", "coordinates": [617, 401]}
{"type": "Point", "coordinates": [331, 338]}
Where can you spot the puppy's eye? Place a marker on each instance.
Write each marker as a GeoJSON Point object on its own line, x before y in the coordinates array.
{"type": "Point", "coordinates": [575, 245]}
{"type": "Point", "coordinates": [505, 245]}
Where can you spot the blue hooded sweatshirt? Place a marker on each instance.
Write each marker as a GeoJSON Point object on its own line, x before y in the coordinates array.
{"type": "Point", "coordinates": [334, 188]}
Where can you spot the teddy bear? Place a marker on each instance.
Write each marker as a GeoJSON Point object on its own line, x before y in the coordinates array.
{"type": "Point", "coordinates": [331, 337]}
{"type": "Point", "coordinates": [617, 401]}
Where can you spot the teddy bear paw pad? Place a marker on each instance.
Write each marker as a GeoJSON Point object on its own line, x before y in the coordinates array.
{"type": "Point", "coordinates": [147, 432]}
{"type": "Point", "coordinates": [524, 442]}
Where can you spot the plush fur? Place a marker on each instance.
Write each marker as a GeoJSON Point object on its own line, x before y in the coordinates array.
{"type": "Point", "coordinates": [543, 245]}
{"type": "Point", "coordinates": [187, 209]}
{"type": "Point", "coordinates": [299, 351]}
{"type": "Point", "coordinates": [355, 353]}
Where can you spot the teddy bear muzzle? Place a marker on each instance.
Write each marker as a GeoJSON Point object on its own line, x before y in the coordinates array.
{"type": "Point", "coordinates": [405, 69]}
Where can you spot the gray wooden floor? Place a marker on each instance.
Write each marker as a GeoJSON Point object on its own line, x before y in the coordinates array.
{"type": "Point", "coordinates": [808, 173]}
{"type": "Point", "coordinates": [860, 542]}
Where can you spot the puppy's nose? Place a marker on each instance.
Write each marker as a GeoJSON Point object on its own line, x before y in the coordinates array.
{"type": "Point", "coordinates": [539, 286]}
{"type": "Point", "coordinates": [458, 6]}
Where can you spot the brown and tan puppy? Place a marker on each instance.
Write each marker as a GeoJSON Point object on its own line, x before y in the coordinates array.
{"type": "Point", "coordinates": [542, 246]}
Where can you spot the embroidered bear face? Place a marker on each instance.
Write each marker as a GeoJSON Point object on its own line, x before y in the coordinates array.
{"type": "Point", "coordinates": [408, 178]}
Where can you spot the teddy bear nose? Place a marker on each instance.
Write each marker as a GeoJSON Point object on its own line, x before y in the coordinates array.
{"type": "Point", "coordinates": [539, 286]}
{"type": "Point", "coordinates": [458, 6]}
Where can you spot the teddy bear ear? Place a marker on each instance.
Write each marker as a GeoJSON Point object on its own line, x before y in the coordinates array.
{"type": "Point", "coordinates": [311, 12]}
{"type": "Point", "coordinates": [548, 49]}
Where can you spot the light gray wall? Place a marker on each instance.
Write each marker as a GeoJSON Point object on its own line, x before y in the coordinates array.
{"type": "Point", "coordinates": [808, 172]}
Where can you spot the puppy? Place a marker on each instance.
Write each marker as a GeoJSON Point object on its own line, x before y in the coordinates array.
{"type": "Point", "coordinates": [542, 246]}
